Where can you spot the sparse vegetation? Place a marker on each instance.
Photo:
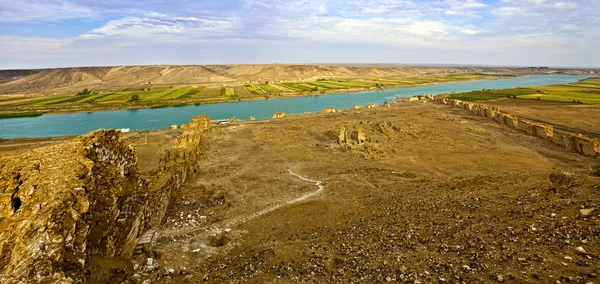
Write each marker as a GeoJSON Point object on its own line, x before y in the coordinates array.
{"type": "Point", "coordinates": [583, 92]}
{"type": "Point", "coordinates": [134, 98]}
{"type": "Point", "coordinates": [84, 92]}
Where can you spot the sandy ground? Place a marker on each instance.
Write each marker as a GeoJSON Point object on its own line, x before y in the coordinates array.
{"type": "Point", "coordinates": [435, 195]}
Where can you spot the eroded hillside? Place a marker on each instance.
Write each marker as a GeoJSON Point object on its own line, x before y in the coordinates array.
{"type": "Point", "coordinates": [113, 78]}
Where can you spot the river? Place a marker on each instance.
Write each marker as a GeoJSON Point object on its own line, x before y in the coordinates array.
{"type": "Point", "coordinates": [157, 118]}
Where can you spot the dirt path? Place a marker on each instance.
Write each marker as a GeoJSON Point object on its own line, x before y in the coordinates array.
{"type": "Point", "coordinates": [318, 184]}
{"type": "Point", "coordinates": [238, 221]}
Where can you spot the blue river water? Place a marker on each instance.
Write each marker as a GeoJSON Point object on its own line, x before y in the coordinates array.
{"type": "Point", "coordinates": [150, 119]}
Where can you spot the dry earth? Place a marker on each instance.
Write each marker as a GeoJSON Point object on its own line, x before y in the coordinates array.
{"type": "Point", "coordinates": [434, 195]}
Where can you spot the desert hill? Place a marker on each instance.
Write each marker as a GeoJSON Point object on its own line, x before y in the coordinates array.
{"type": "Point", "coordinates": [113, 78]}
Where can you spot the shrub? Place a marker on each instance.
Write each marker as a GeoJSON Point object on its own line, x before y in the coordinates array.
{"type": "Point", "coordinates": [84, 92]}
{"type": "Point", "coordinates": [134, 98]}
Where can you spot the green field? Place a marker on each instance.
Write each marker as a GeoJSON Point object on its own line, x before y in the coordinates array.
{"type": "Point", "coordinates": [229, 93]}
{"type": "Point", "coordinates": [586, 92]}
{"type": "Point", "coordinates": [341, 84]}
{"type": "Point", "coordinates": [160, 96]}
{"type": "Point", "coordinates": [268, 88]}
{"type": "Point", "coordinates": [254, 89]}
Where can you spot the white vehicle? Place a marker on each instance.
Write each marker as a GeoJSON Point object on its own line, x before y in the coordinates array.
{"type": "Point", "coordinates": [223, 121]}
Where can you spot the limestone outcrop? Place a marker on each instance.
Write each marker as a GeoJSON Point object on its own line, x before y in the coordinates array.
{"type": "Point", "coordinates": [61, 204]}
{"type": "Point", "coordinates": [329, 110]}
{"type": "Point", "coordinates": [175, 165]}
{"type": "Point", "coordinates": [575, 142]}
{"type": "Point", "coordinates": [66, 205]}
{"type": "Point", "coordinates": [278, 115]}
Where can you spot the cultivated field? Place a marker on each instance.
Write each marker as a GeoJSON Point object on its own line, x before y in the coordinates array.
{"type": "Point", "coordinates": [583, 92]}
{"type": "Point", "coordinates": [160, 96]}
{"type": "Point", "coordinates": [35, 92]}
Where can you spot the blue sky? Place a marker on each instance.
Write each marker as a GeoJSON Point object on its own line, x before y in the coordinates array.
{"type": "Point", "coordinates": [61, 33]}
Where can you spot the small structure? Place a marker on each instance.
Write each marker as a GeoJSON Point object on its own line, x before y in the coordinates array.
{"type": "Point", "coordinates": [174, 126]}
{"type": "Point", "coordinates": [124, 130]}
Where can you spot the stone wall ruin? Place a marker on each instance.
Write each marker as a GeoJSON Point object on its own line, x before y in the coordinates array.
{"type": "Point", "coordinates": [62, 206]}
{"type": "Point", "coordinates": [575, 142]}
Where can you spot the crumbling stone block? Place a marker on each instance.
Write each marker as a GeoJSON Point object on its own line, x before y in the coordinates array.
{"type": "Point", "coordinates": [278, 115]}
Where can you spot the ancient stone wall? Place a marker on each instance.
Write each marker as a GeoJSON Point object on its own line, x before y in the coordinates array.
{"type": "Point", "coordinates": [64, 204]}
{"type": "Point", "coordinates": [579, 143]}
{"type": "Point", "coordinates": [174, 167]}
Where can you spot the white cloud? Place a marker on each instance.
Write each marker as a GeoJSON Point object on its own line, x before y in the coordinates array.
{"type": "Point", "coordinates": [464, 8]}
{"type": "Point", "coordinates": [31, 47]}
{"type": "Point", "coordinates": [28, 11]}
{"type": "Point", "coordinates": [552, 30]}
{"type": "Point", "coordinates": [159, 27]}
{"type": "Point", "coordinates": [469, 31]}
{"type": "Point", "coordinates": [509, 12]}
{"type": "Point", "coordinates": [405, 31]}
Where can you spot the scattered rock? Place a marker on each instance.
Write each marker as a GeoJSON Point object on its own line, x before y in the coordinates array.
{"type": "Point", "coordinates": [218, 239]}
{"type": "Point", "coordinates": [562, 181]}
{"type": "Point", "coordinates": [586, 212]}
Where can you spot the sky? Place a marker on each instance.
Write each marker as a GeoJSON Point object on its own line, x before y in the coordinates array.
{"type": "Point", "coordinates": [64, 33]}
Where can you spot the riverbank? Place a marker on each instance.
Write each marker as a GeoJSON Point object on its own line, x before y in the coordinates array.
{"type": "Point", "coordinates": [149, 119]}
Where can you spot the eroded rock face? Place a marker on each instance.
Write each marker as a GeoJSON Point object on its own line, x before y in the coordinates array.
{"type": "Point", "coordinates": [62, 203]}
{"type": "Point", "coordinates": [175, 166]}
